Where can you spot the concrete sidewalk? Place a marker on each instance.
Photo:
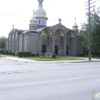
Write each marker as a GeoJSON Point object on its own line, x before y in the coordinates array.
{"type": "Point", "coordinates": [61, 61]}
{"type": "Point", "coordinates": [19, 59]}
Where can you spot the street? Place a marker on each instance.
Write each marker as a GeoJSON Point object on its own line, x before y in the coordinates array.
{"type": "Point", "coordinates": [48, 81]}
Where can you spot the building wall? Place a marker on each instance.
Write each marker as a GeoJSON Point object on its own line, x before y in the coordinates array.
{"type": "Point", "coordinates": [10, 43]}
{"type": "Point", "coordinates": [20, 42]}
{"type": "Point", "coordinates": [25, 42]}
{"type": "Point", "coordinates": [6, 45]}
{"type": "Point", "coordinates": [13, 41]}
{"type": "Point", "coordinates": [33, 43]}
{"type": "Point", "coordinates": [16, 42]}
{"type": "Point", "coordinates": [62, 49]}
{"type": "Point", "coordinates": [80, 49]}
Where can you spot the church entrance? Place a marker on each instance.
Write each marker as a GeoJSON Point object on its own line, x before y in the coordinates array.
{"type": "Point", "coordinates": [67, 50]}
{"type": "Point", "coordinates": [43, 49]}
{"type": "Point", "coordinates": [56, 49]}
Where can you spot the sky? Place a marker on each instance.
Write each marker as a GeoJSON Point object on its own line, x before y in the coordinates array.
{"type": "Point", "coordinates": [19, 13]}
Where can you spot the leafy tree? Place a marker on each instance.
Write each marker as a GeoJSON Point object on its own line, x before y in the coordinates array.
{"type": "Point", "coordinates": [2, 42]}
{"type": "Point", "coordinates": [83, 35]}
{"type": "Point", "coordinates": [95, 33]}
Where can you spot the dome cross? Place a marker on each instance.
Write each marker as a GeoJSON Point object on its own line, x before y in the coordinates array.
{"type": "Point", "coordinates": [75, 20]}
{"type": "Point", "coordinates": [59, 20]}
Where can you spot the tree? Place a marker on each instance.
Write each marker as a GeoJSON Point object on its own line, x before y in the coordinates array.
{"type": "Point", "coordinates": [2, 42]}
{"type": "Point", "coordinates": [83, 35]}
{"type": "Point", "coordinates": [95, 33]}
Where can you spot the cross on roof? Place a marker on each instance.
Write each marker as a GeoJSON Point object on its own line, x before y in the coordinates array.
{"type": "Point", "coordinates": [75, 20]}
{"type": "Point", "coordinates": [59, 20]}
{"type": "Point", "coordinates": [13, 26]}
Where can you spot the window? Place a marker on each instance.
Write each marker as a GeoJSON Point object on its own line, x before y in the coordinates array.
{"type": "Point", "coordinates": [39, 21]}
{"type": "Point", "coordinates": [34, 27]}
{"type": "Point", "coordinates": [42, 21]}
{"type": "Point", "coordinates": [30, 27]}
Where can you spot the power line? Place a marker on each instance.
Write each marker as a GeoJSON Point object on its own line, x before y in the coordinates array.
{"type": "Point", "coordinates": [14, 15]}
{"type": "Point", "coordinates": [30, 17]}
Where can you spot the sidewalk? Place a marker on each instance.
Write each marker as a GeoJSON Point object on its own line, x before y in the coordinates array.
{"type": "Point", "coordinates": [19, 59]}
{"type": "Point", "coordinates": [61, 61]}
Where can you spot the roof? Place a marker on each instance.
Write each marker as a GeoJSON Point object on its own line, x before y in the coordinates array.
{"type": "Point", "coordinates": [28, 31]}
{"type": "Point", "coordinates": [39, 30]}
{"type": "Point", "coordinates": [20, 31]}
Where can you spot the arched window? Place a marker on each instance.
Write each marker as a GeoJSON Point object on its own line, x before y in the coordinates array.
{"type": "Point", "coordinates": [43, 22]}
{"type": "Point", "coordinates": [39, 22]}
{"type": "Point", "coordinates": [34, 27]}
{"type": "Point", "coordinates": [30, 27]}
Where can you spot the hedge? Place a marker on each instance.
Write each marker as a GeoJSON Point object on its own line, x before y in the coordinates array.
{"type": "Point", "coordinates": [96, 54]}
{"type": "Point", "coordinates": [23, 54]}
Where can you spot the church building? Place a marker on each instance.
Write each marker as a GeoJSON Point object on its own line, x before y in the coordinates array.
{"type": "Point", "coordinates": [41, 38]}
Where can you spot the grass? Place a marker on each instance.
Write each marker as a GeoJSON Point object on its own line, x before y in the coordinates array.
{"type": "Point", "coordinates": [3, 55]}
{"type": "Point", "coordinates": [46, 59]}
{"type": "Point", "coordinates": [53, 59]}
{"type": "Point", "coordinates": [50, 59]}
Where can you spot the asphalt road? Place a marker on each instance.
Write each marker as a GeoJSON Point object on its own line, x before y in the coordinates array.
{"type": "Point", "coordinates": [52, 81]}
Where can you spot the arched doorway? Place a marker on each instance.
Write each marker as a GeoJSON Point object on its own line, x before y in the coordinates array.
{"type": "Point", "coordinates": [47, 39]}
{"type": "Point", "coordinates": [69, 43]}
{"type": "Point", "coordinates": [56, 49]}
{"type": "Point", "coordinates": [59, 42]}
{"type": "Point", "coordinates": [67, 50]}
{"type": "Point", "coordinates": [43, 49]}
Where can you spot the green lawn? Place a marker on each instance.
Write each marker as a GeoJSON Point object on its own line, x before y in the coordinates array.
{"type": "Point", "coordinates": [53, 59]}
{"type": "Point", "coordinates": [3, 55]}
{"type": "Point", "coordinates": [47, 59]}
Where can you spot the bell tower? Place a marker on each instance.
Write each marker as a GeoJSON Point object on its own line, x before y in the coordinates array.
{"type": "Point", "coordinates": [75, 27]}
{"type": "Point", "coordinates": [33, 24]}
{"type": "Point", "coordinates": [40, 15]}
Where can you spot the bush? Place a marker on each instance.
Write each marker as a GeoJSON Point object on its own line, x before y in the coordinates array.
{"type": "Point", "coordinates": [24, 54]}
{"type": "Point", "coordinates": [2, 51]}
{"type": "Point", "coordinates": [37, 55]}
{"type": "Point", "coordinates": [10, 52]}
{"type": "Point", "coordinates": [33, 55]}
{"type": "Point", "coordinates": [81, 55]}
{"type": "Point", "coordinates": [53, 55]}
{"type": "Point", "coordinates": [6, 52]}
{"type": "Point", "coordinates": [13, 53]}
{"type": "Point", "coordinates": [96, 54]}
{"type": "Point", "coordinates": [43, 54]}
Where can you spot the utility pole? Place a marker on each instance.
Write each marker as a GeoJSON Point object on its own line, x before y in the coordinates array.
{"type": "Point", "coordinates": [89, 24]}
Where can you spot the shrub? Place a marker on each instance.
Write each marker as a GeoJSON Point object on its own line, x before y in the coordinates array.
{"type": "Point", "coordinates": [37, 55]}
{"type": "Point", "coordinates": [43, 54]}
{"type": "Point", "coordinates": [13, 53]}
{"type": "Point", "coordinates": [53, 55]}
{"type": "Point", "coordinates": [96, 54]}
{"type": "Point", "coordinates": [2, 51]}
{"type": "Point", "coordinates": [33, 55]}
{"type": "Point", "coordinates": [6, 52]}
{"type": "Point", "coordinates": [23, 54]}
{"type": "Point", "coordinates": [10, 53]}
